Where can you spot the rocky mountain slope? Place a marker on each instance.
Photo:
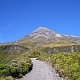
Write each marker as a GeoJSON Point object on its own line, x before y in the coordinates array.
{"type": "Point", "coordinates": [46, 35]}
{"type": "Point", "coordinates": [42, 36]}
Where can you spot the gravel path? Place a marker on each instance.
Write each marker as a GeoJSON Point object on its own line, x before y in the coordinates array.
{"type": "Point", "coordinates": [41, 71]}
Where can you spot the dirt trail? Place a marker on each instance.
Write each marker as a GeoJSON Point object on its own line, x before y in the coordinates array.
{"type": "Point", "coordinates": [41, 71]}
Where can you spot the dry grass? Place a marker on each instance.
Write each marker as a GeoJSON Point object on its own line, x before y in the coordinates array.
{"type": "Point", "coordinates": [57, 44]}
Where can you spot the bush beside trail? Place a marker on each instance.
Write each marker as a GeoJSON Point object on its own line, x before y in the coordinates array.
{"type": "Point", "coordinates": [16, 67]}
{"type": "Point", "coordinates": [67, 65]}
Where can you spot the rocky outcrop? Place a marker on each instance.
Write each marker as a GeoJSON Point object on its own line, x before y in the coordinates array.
{"type": "Point", "coordinates": [69, 49]}
{"type": "Point", "coordinates": [13, 48]}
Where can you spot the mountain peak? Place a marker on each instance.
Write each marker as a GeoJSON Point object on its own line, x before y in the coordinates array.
{"type": "Point", "coordinates": [41, 29]}
{"type": "Point", "coordinates": [44, 33]}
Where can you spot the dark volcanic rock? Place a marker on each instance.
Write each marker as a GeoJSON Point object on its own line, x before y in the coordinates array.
{"type": "Point", "coordinates": [13, 48]}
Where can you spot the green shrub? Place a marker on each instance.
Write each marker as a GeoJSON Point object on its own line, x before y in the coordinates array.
{"type": "Point", "coordinates": [67, 65]}
{"type": "Point", "coordinates": [7, 78]}
{"type": "Point", "coordinates": [16, 67]}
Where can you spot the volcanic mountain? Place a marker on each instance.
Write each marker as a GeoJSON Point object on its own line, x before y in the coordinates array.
{"type": "Point", "coordinates": [44, 35]}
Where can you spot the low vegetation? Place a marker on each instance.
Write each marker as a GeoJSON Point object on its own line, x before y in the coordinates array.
{"type": "Point", "coordinates": [13, 65]}
{"type": "Point", "coordinates": [67, 65]}
{"type": "Point", "coordinates": [16, 67]}
{"type": "Point", "coordinates": [59, 44]}
{"type": "Point", "coordinates": [6, 57]}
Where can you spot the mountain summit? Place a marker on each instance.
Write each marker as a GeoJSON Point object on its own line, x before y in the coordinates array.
{"type": "Point", "coordinates": [42, 34]}
{"type": "Point", "coordinates": [41, 28]}
{"type": "Point", "coordinates": [46, 32]}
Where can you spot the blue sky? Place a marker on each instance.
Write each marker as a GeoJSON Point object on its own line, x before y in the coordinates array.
{"type": "Point", "coordinates": [20, 17]}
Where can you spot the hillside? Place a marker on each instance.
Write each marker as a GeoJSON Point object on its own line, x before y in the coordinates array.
{"type": "Point", "coordinates": [43, 35]}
